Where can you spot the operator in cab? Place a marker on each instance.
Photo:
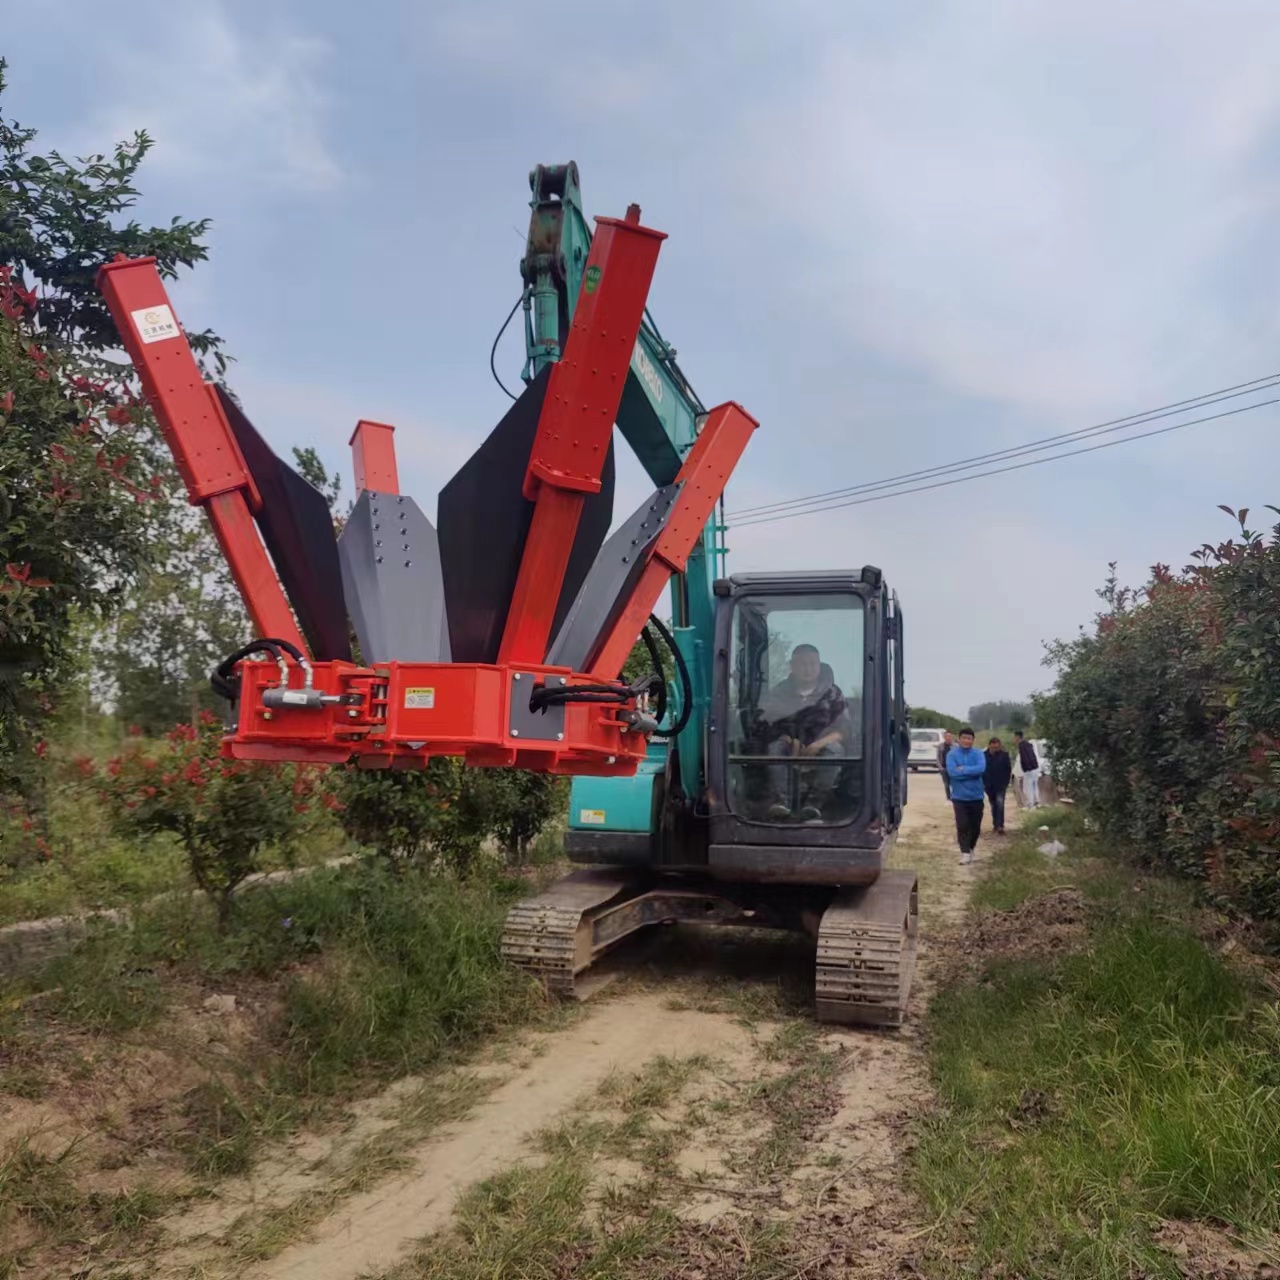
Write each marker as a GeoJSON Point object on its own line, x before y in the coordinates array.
{"type": "Point", "coordinates": [805, 716]}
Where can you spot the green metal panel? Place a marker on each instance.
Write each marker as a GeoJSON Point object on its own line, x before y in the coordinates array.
{"type": "Point", "coordinates": [616, 804]}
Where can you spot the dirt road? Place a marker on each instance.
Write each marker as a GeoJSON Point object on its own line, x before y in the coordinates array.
{"type": "Point", "coordinates": [758, 1110]}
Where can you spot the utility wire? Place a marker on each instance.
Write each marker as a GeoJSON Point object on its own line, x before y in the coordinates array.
{"type": "Point", "coordinates": [1035, 446]}
{"type": "Point", "coordinates": [995, 471]}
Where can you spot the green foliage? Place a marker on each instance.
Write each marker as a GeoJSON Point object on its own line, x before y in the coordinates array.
{"type": "Point", "coordinates": [223, 812]}
{"type": "Point", "coordinates": [74, 520]}
{"type": "Point", "coordinates": [314, 472]}
{"type": "Point", "coordinates": [181, 617]}
{"type": "Point", "coordinates": [996, 715]}
{"type": "Point", "coordinates": [447, 810]}
{"type": "Point", "coordinates": [928, 718]}
{"type": "Point", "coordinates": [406, 815]}
{"type": "Point", "coordinates": [512, 806]}
{"type": "Point", "coordinates": [1166, 719]}
{"type": "Point", "coordinates": [61, 221]}
{"type": "Point", "coordinates": [1091, 1095]}
{"type": "Point", "coordinates": [79, 460]}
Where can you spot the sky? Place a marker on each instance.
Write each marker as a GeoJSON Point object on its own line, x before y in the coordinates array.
{"type": "Point", "coordinates": [899, 235]}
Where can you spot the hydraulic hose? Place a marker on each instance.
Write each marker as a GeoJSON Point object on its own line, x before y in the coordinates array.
{"type": "Point", "coordinates": [686, 685]}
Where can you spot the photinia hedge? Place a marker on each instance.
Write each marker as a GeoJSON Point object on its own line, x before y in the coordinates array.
{"type": "Point", "coordinates": [225, 813]}
{"type": "Point", "coordinates": [1165, 718]}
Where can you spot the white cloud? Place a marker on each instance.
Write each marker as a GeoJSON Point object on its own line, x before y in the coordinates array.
{"type": "Point", "coordinates": [1030, 203]}
{"type": "Point", "coordinates": [493, 40]}
{"type": "Point", "coordinates": [248, 112]}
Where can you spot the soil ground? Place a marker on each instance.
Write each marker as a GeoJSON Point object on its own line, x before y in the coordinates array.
{"type": "Point", "coordinates": [827, 1161]}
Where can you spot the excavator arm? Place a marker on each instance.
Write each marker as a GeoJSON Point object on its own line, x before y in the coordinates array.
{"type": "Point", "coordinates": [660, 416]}
{"type": "Point", "coordinates": [496, 633]}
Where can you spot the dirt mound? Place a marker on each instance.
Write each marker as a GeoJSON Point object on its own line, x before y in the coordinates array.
{"type": "Point", "coordinates": [1203, 1252]}
{"type": "Point", "coordinates": [1047, 925]}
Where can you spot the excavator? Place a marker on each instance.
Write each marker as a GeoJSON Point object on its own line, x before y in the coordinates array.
{"type": "Point", "coordinates": [754, 776]}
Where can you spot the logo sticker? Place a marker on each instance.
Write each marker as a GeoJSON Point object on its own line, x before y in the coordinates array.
{"type": "Point", "coordinates": [419, 699]}
{"type": "Point", "coordinates": [592, 279]}
{"type": "Point", "coordinates": [155, 324]}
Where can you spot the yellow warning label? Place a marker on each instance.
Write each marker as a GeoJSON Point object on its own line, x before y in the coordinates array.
{"type": "Point", "coordinates": [419, 699]}
{"type": "Point", "coordinates": [591, 817]}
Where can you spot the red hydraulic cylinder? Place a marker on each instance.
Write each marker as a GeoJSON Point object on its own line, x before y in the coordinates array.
{"type": "Point", "coordinates": [373, 453]}
{"type": "Point", "coordinates": [197, 434]}
{"type": "Point", "coordinates": [702, 480]}
{"type": "Point", "coordinates": [572, 441]}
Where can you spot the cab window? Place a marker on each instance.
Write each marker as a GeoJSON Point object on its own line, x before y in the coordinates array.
{"type": "Point", "coordinates": [796, 709]}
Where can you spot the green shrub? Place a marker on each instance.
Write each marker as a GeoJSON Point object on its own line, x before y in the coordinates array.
{"type": "Point", "coordinates": [225, 813]}
{"type": "Point", "coordinates": [447, 810]}
{"type": "Point", "coordinates": [1165, 719]}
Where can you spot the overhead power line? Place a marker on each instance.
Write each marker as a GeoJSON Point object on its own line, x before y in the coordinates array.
{"type": "Point", "coordinates": [995, 471]}
{"type": "Point", "coordinates": [1206, 400]}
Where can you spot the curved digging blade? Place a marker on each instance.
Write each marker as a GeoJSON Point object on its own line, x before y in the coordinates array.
{"type": "Point", "coordinates": [391, 579]}
{"type": "Point", "coordinates": [609, 585]}
{"type": "Point", "coordinates": [298, 529]}
{"type": "Point", "coordinates": [484, 521]}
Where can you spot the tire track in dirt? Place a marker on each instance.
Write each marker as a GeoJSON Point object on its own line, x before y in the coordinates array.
{"type": "Point", "coordinates": [371, 1231]}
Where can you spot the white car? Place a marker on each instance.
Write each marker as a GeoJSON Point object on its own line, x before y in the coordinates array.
{"type": "Point", "coordinates": [924, 749]}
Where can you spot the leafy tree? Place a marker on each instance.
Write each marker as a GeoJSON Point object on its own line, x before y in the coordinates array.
{"type": "Point", "coordinates": [406, 815]}
{"type": "Point", "coordinates": [59, 222]}
{"type": "Point", "coordinates": [928, 718]}
{"type": "Point", "coordinates": [75, 521]}
{"type": "Point", "coordinates": [512, 806]}
{"type": "Point", "coordinates": [316, 474]}
{"type": "Point", "coordinates": [81, 471]}
{"type": "Point", "coordinates": [182, 616]}
{"type": "Point", "coordinates": [1017, 715]}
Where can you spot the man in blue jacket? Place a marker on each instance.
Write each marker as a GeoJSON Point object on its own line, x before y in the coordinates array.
{"type": "Point", "coordinates": [965, 767]}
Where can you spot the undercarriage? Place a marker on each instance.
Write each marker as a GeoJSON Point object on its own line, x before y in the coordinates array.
{"type": "Point", "coordinates": [865, 935]}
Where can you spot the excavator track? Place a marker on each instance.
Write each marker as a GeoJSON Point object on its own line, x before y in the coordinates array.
{"type": "Point", "coordinates": [867, 952]}
{"type": "Point", "coordinates": [866, 937]}
{"type": "Point", "coordinates": [558, 936]}
{"type": "Point", "coordinates": [545, 936]}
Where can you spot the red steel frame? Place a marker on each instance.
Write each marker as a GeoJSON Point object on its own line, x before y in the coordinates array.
{"type": "Point", "coordinates": [373, 456]}
{"type": "Point", "coordinates": [468, 712]}
{"type": "Point", "coordinates": [572, 441]}
{"type": "Point", "coordinates": [198, 435]}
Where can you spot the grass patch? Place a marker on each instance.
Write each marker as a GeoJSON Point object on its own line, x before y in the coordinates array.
{"type": "Point", "coordinates": [374, 975]}
{"type": "Point", "coordinates": [798, 1100]}
{"type": "Point", "coordinates": [1089, 1096]}
{"type": "Point", "coordinates": [382, 974]}
{"type": "Point", "coordinates": [411, 974]}
{"type": "Point", "coordinates": [436, 1101]}
{"type": "Point", "coordinates": [538, 1222]}
{"type": "Point", "coordinates": [40, 1207]}
{"type": "Point", "coordinates": [1018, 870]}
{"type": "Point", "coordinates": [637, 1100]}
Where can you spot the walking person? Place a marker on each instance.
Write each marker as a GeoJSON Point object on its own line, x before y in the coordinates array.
{"type": "Point", "coordinates": [966, 766]}
{"type": "Point", "coordinates": [943, 752]}
{"type": "Point", "coordinates": [996, 782]}
{"type": "Point", "coordinates": [1030, 763]}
